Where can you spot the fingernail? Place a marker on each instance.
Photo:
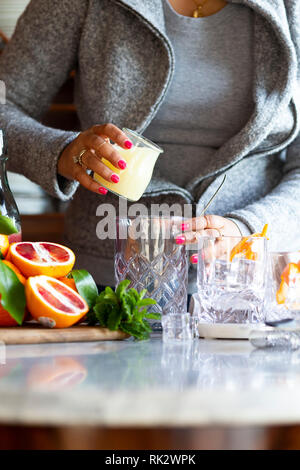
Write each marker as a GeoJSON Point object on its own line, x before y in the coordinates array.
{"type": "Point", "coordinates": [194, 259]}
{"type": "Point", "coordinates": [115, 178]}
{"type": "Point", "coordinates": [122, 164]}
{"type": "Point", "coordinates": [185, 227]}
{"type": "Point", "coordinates": [103, 191]}
{"type": "Point", "coordinates": [128, 144]}
{"type": "Point", "coordinates": [180, 240]}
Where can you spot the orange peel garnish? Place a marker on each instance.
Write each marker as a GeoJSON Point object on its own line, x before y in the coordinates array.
{"type": "Point", "coordinates": [244, 247]}
{"type": "Point", "coordinates": [288, 274]}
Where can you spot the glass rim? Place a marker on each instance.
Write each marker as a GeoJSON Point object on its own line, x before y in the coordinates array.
{"type": "Point", "coordinates": [284, 253]}
{"type": "Point", "coordinates": [143, 139]}
{"type": "Point", "coordinates": [231, 237]}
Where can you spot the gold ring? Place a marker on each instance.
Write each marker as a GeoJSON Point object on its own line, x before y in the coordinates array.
{"type": "Point", "coordinates": [106, 141]}
{"type": "Point", "coordinates": [79, 158]}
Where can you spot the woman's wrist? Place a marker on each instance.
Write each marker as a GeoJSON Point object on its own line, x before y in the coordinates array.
{"type": "Point", "coordinates": [243, 228]}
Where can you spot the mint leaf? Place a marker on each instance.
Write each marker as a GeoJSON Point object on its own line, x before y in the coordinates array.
{"type": "Point", "coordinates": [102, 312]}
{"type": "Point", "coordinates": [100, 298]}
{"type": "Point", "coordinates": [134, 294]}
{"type": "Point", "coordinates": [122, 287]}
{"type": "Point", "coordinates": [109, 291]}
{"type": "Point", "coordinates": [145, 302]}
{"type": "Point", "coordinates": [114, 318]}
{"type": "Point", "coordinates": [147, 326]}
{"type": "Point", "coordinates": [153, 316]}
{"type": "Point", "coordinates": [143, 293]}
{"type": "Point", "coordinates": [110, 295]}
{"type": "Point", "coordinates": [128, 303]}
{"type": "Point", "coordinates": [135, 329]}
{"type": "Point", "coordinates": [12, 293]}
{"type": "Point", "coordinates": [7, 226]}
{"type": "Point", "coordinates": [85, 285]}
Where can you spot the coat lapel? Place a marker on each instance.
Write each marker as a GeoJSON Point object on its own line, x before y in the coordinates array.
{"type": "Point", "coordinates": [149, 10]}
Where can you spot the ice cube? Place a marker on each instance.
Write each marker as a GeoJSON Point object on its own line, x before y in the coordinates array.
{"type": "Point", "coordinates": [177, 327]}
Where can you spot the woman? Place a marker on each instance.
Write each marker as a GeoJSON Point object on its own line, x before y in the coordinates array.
{"type": "Point", "coordinates": [214, 83]}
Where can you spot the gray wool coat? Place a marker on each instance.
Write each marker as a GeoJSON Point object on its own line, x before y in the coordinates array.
{"type": "Point", "coordinates": [125, 63]}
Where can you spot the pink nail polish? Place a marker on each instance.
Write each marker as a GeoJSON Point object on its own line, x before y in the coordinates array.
{"type": "Point", "coordinates": [194, 259]}
{"type": "Point", "coordinates": [128, 144]}
{"type": "Point", "coordinates": [185, 227]}
{"type": "Point", "coordinates": [180, 240]}
{"type": "Point", "coordinates": [115, 178]}
{"type": "Point", "coordinates": [122, 164]}
{"type": "Point", "coordinates": [103, 191]}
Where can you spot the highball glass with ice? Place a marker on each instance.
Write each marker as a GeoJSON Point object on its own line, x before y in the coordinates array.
{"type": "Point", "coordinates": [283, 286]}
{"type": "Point", "coordinates": [231, 282]}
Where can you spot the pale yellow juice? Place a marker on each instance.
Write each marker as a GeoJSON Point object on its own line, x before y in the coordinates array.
{"type": "Point", "coordinates": [137, 175]}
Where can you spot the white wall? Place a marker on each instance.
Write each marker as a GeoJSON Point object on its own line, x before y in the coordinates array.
{"type": "Point", "coordinates": [10, 10]}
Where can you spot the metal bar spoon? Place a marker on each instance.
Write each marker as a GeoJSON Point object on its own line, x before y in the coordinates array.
{"type": "Point", "coordinates": [213, 197]}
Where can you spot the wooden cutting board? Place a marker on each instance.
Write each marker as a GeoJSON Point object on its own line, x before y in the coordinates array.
{"type": "Point", "coordinates": [36, 334]}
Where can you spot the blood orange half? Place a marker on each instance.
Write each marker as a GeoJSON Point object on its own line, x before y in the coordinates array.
{"type": "Point", "coordinates": [53, 303]}
{"type": "Point", "coordinates": [42, 258]}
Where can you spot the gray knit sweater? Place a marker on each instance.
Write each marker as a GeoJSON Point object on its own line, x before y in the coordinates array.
{"type": "Point", "coordinates": [125, 64]}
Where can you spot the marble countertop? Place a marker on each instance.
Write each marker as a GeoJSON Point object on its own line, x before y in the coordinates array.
{"type": "Point", "coordinates": [149, 383]}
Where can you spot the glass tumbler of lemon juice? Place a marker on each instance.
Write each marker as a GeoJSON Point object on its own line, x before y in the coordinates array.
{"type": "Point", "coordinates": [140, 160]}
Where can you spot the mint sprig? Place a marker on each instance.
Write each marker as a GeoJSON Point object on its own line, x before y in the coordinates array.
{"type": "Point", "coordinates": [124, 309]}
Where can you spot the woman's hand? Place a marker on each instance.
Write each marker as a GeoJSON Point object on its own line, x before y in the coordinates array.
{"type": "Point", "coordinates": [206, 226]}
{"type": "Point", "coordinates": [89, 148]}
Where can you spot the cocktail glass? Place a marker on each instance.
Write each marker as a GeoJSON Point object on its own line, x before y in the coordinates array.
{"type": "Point", "coordinates": [283, 286]}
{"type": "Point", "coordinates": [147, 255]}
{"type": "Point", "coordinates": [140, 160]}
{"type": "Point", "coordinates": [231, 288]}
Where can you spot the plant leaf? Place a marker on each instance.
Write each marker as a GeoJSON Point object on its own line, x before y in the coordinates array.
{"type": "Point", "coordinates": [128, 303]}
{"type": "Point", "coordinates": [102, 312]}
{"type": "Point", "coordinates": [114, 318]}
{"type": "Point", "coordinates": [12, 293]}
{"type": "Point", "coordinates": [122, 288]}
{"type": "Point", "coordinates": [110, 295]}
{"type": "Point", "coordinates": [147, 326]}
{"type": "Point", "coordinates": [142, 294]}
{"type": "Point", "coordinates": [134, 294]}
{"type": "Point", "coordinates": [145, 302]}
{"type": "Point", "coordinates": [100, 297]}
{"type": "Point", "coordinates": [85, 285]}
{"type": "Point", "coordinates": [135, 329]}
{"type": "Point", "coordinates": [153, 316]}
{"type": "Point", "coordinates": [108, 290]}
{"type": "Point", "coordinates": [7, 226]}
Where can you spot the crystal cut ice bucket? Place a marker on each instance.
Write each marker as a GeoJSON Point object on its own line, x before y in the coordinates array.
{"type": "Point", "coordinates": [147, 255]}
